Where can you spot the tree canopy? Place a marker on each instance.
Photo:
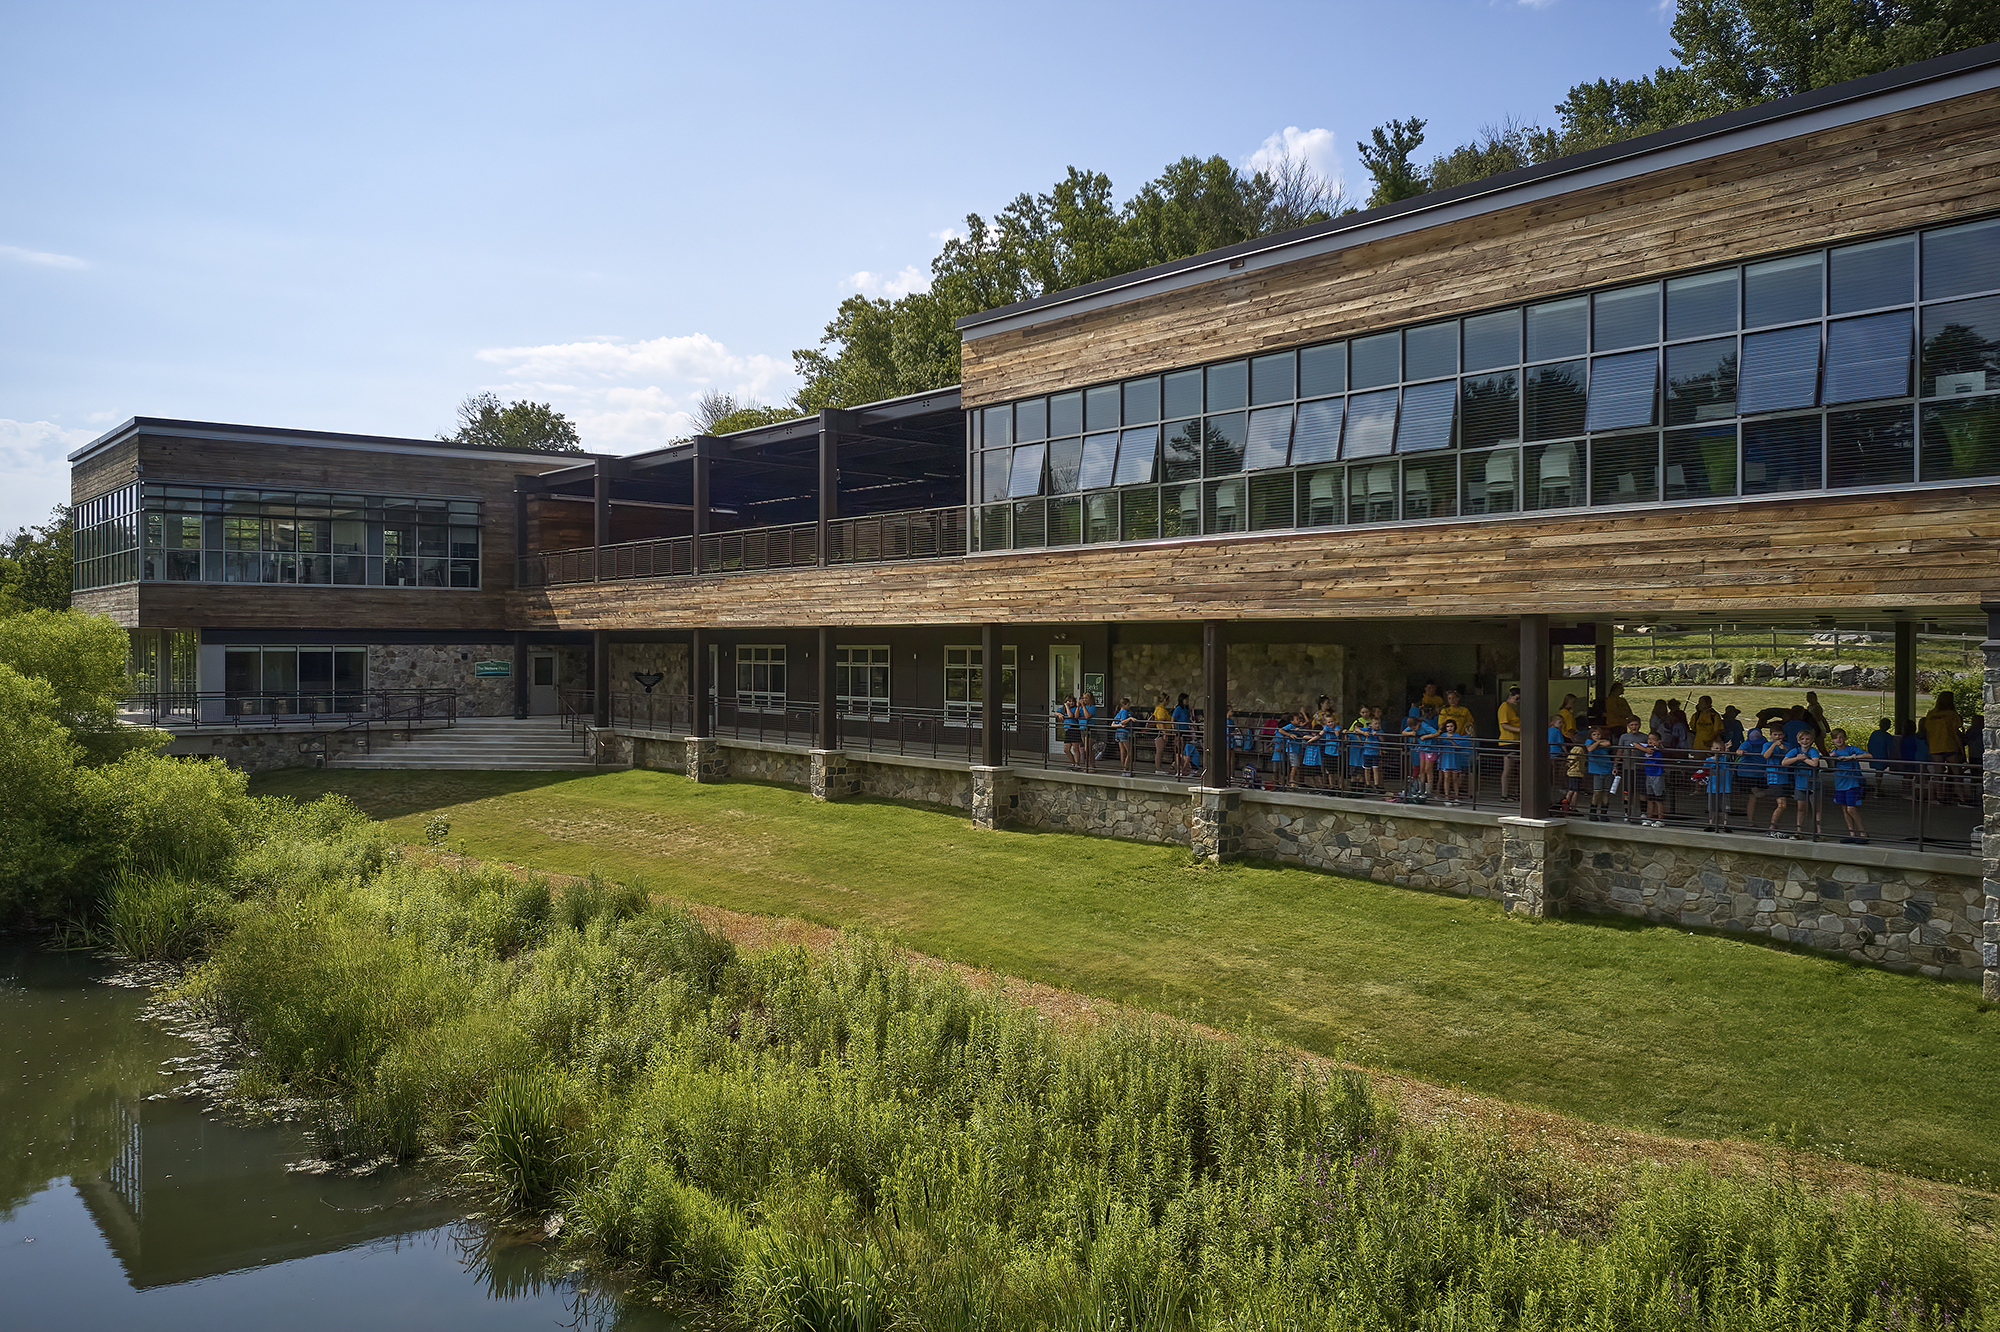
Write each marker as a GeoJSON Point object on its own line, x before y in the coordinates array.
{"type": "Point", "coordinates": [483, 421]}
{"type": "Point", "coordinates": [37, 565]}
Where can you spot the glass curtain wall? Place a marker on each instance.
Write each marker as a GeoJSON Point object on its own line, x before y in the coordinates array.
{"type": "Point", "coordinates": [289, 681]}
{"type": "Point", "coordinates": [1871, 364]}
{"type": "Point", "coordinates": [106, 539]}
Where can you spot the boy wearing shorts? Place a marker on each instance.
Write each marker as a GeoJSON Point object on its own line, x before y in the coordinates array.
{"type": "Point", "coordinates": [1716, 767]}
{"type": "Point", "coordinates": [1847, 785]}
{"type": "Point", "coordinates": [1655, 752]}
{"type": "Point", "coordinates": [1599, 760]}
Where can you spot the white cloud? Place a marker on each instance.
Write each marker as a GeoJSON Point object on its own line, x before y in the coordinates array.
{"type": "Point", "coordinates": [41, 258]}
{"type": "Point", "coordinates": [625, 395]}
{"type": "Point", "coordinates": [893, 286]}
{"type": "Point", "coordinates": [1316, 146]}
{"type": "Point", "coordinates": [34, 470]}
{"type": "Point", "coordinates": [1544, 4]}
{"type": "Point", "coordinates": [948, 235]}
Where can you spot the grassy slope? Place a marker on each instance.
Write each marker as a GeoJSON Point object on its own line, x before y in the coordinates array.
{"type": "Point", "coordinates": [1616, 1022]}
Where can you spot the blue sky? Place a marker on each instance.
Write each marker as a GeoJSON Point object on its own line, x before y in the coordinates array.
{"type": "Point", "coordinates": [348, 217]}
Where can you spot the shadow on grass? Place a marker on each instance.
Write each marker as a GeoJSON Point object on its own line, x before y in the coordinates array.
{"type": "Point", "coordinates": [398, 793]}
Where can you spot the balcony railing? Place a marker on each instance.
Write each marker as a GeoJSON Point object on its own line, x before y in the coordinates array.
{"type": "Point", "coordinates": [917, 534]}
{"type": "Point", "coordinates": [335, 709]}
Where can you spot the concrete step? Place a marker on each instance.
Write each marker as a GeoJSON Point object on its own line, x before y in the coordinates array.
{"type": "Point", "coordinates": [534, 744]}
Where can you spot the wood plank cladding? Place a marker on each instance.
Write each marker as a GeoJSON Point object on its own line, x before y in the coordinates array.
{"type": "Point", "coordinates": [109, 470]}
{"type": "Point", "coordinates": [280, 606]}
{"type": "Point", "coordinates": [1848, 554]}
{"type": "Point", "coordinates": [1925, 166]}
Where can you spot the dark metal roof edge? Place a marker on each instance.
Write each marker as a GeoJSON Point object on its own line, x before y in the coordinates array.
{"type": "Point", "coordinates": [1634, 150]}
{"type": "Point", "coordinates": [139, 425]}
{"type": "Point", "coordinates": [945, 399]}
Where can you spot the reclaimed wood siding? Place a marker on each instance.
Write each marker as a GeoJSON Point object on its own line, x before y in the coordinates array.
{"type": "Point", "coordinates": [109, 470]}
{"type": "Point", "coordinates": [282, 606]}
{"type": "Point", "coordinates": [1919, 167]}
{"type": "Point", "coordinates": [1811, 555]}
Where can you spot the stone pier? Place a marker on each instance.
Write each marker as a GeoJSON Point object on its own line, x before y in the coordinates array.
{"type": "Point", "coordinates": [995, 793]}
{"type": "Point", "coordinates": [705, 762]}
{"type": "Point", "coordinates": [1530, 865]}
{"type": "Point", "coordinates": [1989, 848]}
{"type": "Point", "coordinates": [831, 778]}
{"type": "Point", "coordinates": [1215, 824]}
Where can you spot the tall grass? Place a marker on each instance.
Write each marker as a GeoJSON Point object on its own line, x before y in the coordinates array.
{"type": "Point", "coordinates": [843, 1141]}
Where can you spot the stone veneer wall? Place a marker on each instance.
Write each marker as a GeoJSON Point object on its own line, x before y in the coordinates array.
{"type": "Point", "coordinates": [1908, 917]}
{"type": "Point", "coordinates": [1105, 810]}
{"type": "Point", "coordinates": [744, 763]}
{"type": "Point", "coordinates": [903, 781]}
{"type": "Point", "coordinates": [446, 666]}
{"type": "Point", "coordinates": [261, 751]}
{"type": "Point", "coordinates": [669, 659]}
{"type": "Point", "coordinates": [1442, 850]}
{"type": "Point", "coordinates": [1263, 677]}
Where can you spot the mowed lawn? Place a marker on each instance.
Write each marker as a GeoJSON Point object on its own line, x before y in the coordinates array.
{"type": "Point", "coordinates": [1616, 1022]}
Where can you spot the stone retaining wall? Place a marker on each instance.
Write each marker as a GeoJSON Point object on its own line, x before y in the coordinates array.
{"type": "Point", "coordinates": [899, 781]}
{"type": "Point", "coordinates": [1140, 815]}
{"type": "Point", "coordinates": [1386, 843]}
{"type": "Point", "coordinates": [261, 751]}
{"type": "Point", "coordinates": [745, 764]}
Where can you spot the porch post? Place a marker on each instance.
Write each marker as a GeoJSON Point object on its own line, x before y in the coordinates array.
{"type": "Point", "coordinates": [1534, 764]}
{"type": "Point", "coordinates": [992, 746]}
{"type": "Point", "coordinates": [600, 511]}
{"type": "Point", "coordinates": [698, 685]}
{"type": "Point", "coordinates": [1602, 667]}
{"type": "Point", "coordinates": [829, 478]}
{"type": "Point", "coordinates": [829, 712]}
{"type": "Point", "coordinates": [600, 676]}
{"type": "Point", "coordinates": [1906, 672]}
{"type": "Point", "coordinates": [1989, 850]}
{"type": "Point", "coordinates": [520, 675]}
{"type": "Point", "coordinates": [1215, 704]}
{"type": "Point", "coordinates": [702, 463]}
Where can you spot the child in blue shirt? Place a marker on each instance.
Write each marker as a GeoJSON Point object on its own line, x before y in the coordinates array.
{"type": "Point", "coordinates": [1598, 758]}
{"type": "Point", "coordinates": [1121, 731]}
{"type": "Point", "coordinates": [1371, 750]}
{"type": "Point", "coordinates": [1290, 744]}
{"type": "Point", "coordinates": [1800, 767]}
{"type": "Point", "coordinates": [1315, 752]}
{"type": "Point", "coordinates": [1716, 767]}
{"type": "Point", "coordinates": [1357, 742]}
{"type": "Point", "coordinates": [1456, 761]}
{"type": "Point", "coordinates": [1654, 751]}
{"type": "Point", "coordinates": [1846, 760]}
{"type": "Point", "coordinates": [1086, 717]}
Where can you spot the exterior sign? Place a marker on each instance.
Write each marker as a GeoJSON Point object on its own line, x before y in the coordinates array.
{"type": "Point", "coordinates": [491, 668]}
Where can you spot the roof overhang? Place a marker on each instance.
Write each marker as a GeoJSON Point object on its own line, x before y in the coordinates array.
{"type": "Point", "coordinates": [164, 427]}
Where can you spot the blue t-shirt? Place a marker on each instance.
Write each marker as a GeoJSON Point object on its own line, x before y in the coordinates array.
{"type": "Point", "coordinates": [1750, 760]}
{"type": "Point", "coordinates": [1555, 739]}
{"type": "Point", "coordinates": [1882, 748]}
{"type": "Point", "coordinates": [1718, 773]}
{"type": "Point", "coordinates": [1598, 758]}
{"type": "Point", "coordinates": [1121, 725]}
{"type": "Point", "coordinates": [1775, 771]}
{"type": "Point", "coordinates": [1803, 772]}
{"type": "Point", "coordinates": [1084, 717]}
{"type": "Point", "coordinates": [1847, 767]}
{"type": "Point", "coordinates": [1656, 762]}
{"type": "Point", "coordinates": [1457, 753]}
{"type": "Point", "coordinates": [1430, 737]}
{"type": "Point", "coordinates": [1916, 749]}
{"type": "Point", "coordinates": [1794, 727]}
{"type": "Point", "coordinates": [1182, 717]}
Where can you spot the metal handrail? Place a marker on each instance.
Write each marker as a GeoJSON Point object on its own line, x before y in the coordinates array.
{"type": "Point", "coordinates": [409, 714]}
{"type": "Point", "coordinates": [272, 706]}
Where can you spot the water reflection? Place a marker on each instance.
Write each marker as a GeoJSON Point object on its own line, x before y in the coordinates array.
{"type": "Point", "coordinates": [105, 1173]}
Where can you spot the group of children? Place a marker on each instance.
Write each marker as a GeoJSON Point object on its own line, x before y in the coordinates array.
{"type": "Point", "coordinates": [1312, 750]}
{"type": "Point", "coordinates": [1783, 762]}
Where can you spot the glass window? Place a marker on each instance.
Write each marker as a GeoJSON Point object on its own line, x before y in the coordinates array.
{"type": "Point", "coordinates": [861, 681]}
{"type": "Point", "coordinates": [1319, 497]}
{"type": "Point", "coordinates": [1371, 492]}
{"type": "Point", "coordinates": [1270, 439]}
{"type": "Point", "coordinates": [1627, 317]}
{"type": "Point", "coordinates": [1323, 369]}
{"type": "Point", "coordinates": [1179, 509]}
{"type": "Point", "coordinates": [1183, 460]}
{"type": "Point", "coordinates": [1868, 277]}
{"type": "Point", "coordinates": [1781, 291]}
{"type": "Point", "coordinates": [1493, 341]}
{"type": "Point", "coordinates": [998, 431]}
{"type": "Point", "coordinates": [993, 484]}
{"type": "Point", "coordinates": [1227, 510]}
{"type": "Point", "coordinates": [1142, 400]}
{"type": "Point", "coordinates": [1555, 400]}
{"type": "Point", "coordinates": [1223, 438]}
{"type": "Point", "coordinates": [1781, 454]}
{"type": "Point", "coordinates": [995, 520]}
{"type": "Point", "coordinates": [1100, 407]}
{"type": "Point", "coordinates": [1961, 260]}
{"type": "Point", "coordinates": [1371, 424]}
{"type": "Point", "coordinates": [1065, 521]}
{"type": "Point", "coordinates": [1430, 351]}
{"type": "Point", "coordinates": [1139, 513]}
{"type": "Point", "coordinates": [1490, 410]}
{"type": "Point", "coordinates": [1429, 413]}
{"type": "Point", "coordinates": [1874, 446]}
{"type": "Point", "coordinates": [1065, 465]}
{"type": "Point", "coordinates": [1271, 378]}
{"type": "Point", "coordinates": [1100, 457]}
{"type": "Point", "coordinates": [1316, 438]}
{"type": "Point", "coordinates": [1559, 328]}
{"type": "Point", "coordinates": [1100, 516]}
{"type": "Point", "coordinates": [1701, 464]}
{"type": "Point", "coordinates": [1961, 439]}
{"type": "Point", "coordinates": [1182, 394]}
{"type": "Point", "coordinates": [1554, 475]}
{"type": "Point", "coordinates": [1030, 524]}
{"type": "Point", "coordinates": [1493, 481]}
{"type": "Point", "coordinates": [1139, 456]}
{"type": "Point", "coordinates": [1700, 304]}
{"type": "Point", "coordinates": [1229, 386]}
{"type": "Point", "coordinates": [1376, 360]}
{"type": "Point", "coordinates": [1430, 487]}
{"type": "Point", "coordinates": [1868, 357]}
{"type": "Point", "coordinates": [1701, 381]}
{"type": "Point", "coordinates": [1623, 390]}
{"type": "Point", "coordinates": [1961, 349]}
{"type": "Point", "coordinates": [1031, 420]}
{"type": "Point", "coordinates": [1625, 469]}
{"type": "Point", "coordinates": [1066, 414]}
{"type": "Point", "coordinates": [1780, 370]}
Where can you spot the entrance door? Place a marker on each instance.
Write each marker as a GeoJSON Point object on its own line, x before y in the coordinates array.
{"type": "Point", "coordinates": [1065, 681]}
{"type": "Point", "coordinates": [543, 682]}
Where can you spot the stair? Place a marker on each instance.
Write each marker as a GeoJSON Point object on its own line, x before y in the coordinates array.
{"type": "Point", "coordinates": [483, 743]}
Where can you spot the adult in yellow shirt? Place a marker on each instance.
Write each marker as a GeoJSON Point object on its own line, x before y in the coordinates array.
{"type": "Point", "coordinates": [1455, 710]}
{"type": "Point", "coordinates": [1616, 710]}
{"type": "Point", "coordinates": [1431, 698]}
{"type": "Point", "coordinates": [1944, 732]}
{"type": "Point", "coordinates": [1510, 737]}
{"type": "Point", "coordinates": [1706, 724]}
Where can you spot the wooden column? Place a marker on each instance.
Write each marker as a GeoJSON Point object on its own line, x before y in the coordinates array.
{"type": "Point", "coordinates": [1906, 672]}
{"type": "Point", "coordinates": [521, 493]}
{"type": "Point", "coordinates": [698, 685]}
{"type": "Point", "coordinates": [702, 464]}
{"type": "Point", "coordinates": [830, 421]}
{"type": "Point", "coordinates": [600, 675]}
{"type": "Point", "coordinates": [1534, 767]}
{"type": "Point", "coordinates": [992, 746]}
{"type": "Point", "coordinates": [520, 675]}
{"type": "Point", "coordinates": [1602, 669]}
{"type": "Point", "coordinates": [829, 711]}
{"type": "Point", "coordinates": [1215, 704]}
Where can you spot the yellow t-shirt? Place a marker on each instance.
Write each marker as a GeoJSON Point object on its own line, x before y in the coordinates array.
{"type": "Point", "coordinates": [1617, 712]}
{"type": "Point", "coordinates": [1430, 700]}
{"type": "Point", "coordinates": [1510, 723]}
{"type": "Point", "coordinates": [1941, 728]}
{"type": "Point", "coordinates": [1460, 714]}
{"type": "Point", "coordinates": [1568, 716]}
{"type": "Point", "coordinates": [1163, 716]}
{"type": "Point", "coordinates": [1706, 726]}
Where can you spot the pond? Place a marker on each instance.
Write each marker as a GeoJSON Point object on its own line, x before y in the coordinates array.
{"type": "Point", "coordinates": [125, 1201]}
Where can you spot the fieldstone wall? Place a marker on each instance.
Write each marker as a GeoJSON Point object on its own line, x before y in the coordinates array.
{"type": "Point", "coordinates": [832, 778]}
{"type": "Point", "coordinates": [658, 752]}
{"type": "Point", "coordinates": [1911, 916]}
{"type": "Point", "coordinates": [1263, 677]}
{"type": "Point", "coordinates": [1989, 930]}
{"type": "Point", "coordinates": [899, 781]}
{"type": "Point", "coordinates": [746, 763]}
{"type": "Point", "coordinates": [669, 659]}
{"type": "Point", "coordinates": [1449, 851]}
{"type": "Point", "coordinates": [1107, 807]}
{"type": "Point", "coordinates": [446, 666]}
{"type": "Point", "coordinates": [261, 751]}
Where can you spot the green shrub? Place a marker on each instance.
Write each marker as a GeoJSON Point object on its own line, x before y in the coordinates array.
{"type": "Point", "coordinates": [520, 1150]}
{"type": "Point", "coordinates": [180, 815]}
{"type": "Point", "coordinates": [161, 917]}
{"type": "Point", "coordinates": [40, 813]}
